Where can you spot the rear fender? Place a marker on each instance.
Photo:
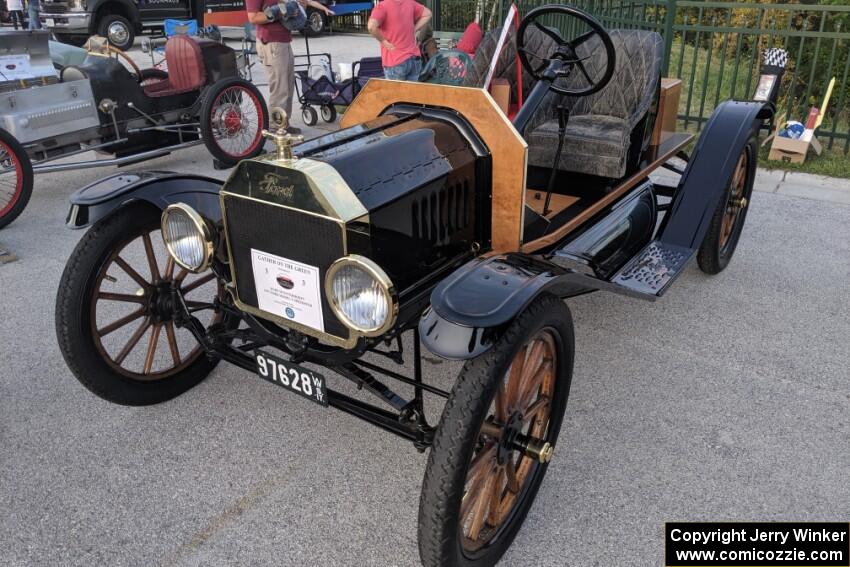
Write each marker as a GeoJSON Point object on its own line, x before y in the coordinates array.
{"type": "Point", "coordinates": [709, 172]}
{"type": "Point", "coordinates": [96, 201]}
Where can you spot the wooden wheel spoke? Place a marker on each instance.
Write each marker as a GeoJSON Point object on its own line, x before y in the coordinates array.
{"type": "Point", "coordinates": [494, 518]}
{"type": "Point", "coordinates": [132, 272]}
{"type": "Point", "coordinates": [482, 506]}
{"type": "Point", "coordinates": [535, 408]}
{"type": "Point", "coordinates": [510, 474]}
{"type": "Point", "coordinates": [149, 251]}
{"type": "Point", "coordinates": [169, 268]}
{"type": "Point", "coordinates": [535, 358]}
{"type": "Point", "coordinates": [115, 325]}
{"type": "Point", "coordinates": [472, 495]}
{"type": "Point", "coordinates": [532, 385]}
{"type": "Point", "coordinates": [181, 275]}
{"type": "Point", "coordinates": [134, 340]}
{"type": "Point", "coordinates": [172, 343]}
{"type": "Point", "coordinates": [125, 297]}
{"type": "Point", "coordinates": [514, 379]}
{"type": "Point", "coordinates": [198, 282]}
{"type": "Point", "coordinates": [151, 349]}
{"type": "Point", "coordinates": [483, 457]}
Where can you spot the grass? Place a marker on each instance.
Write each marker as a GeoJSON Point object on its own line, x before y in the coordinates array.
{"type": "Point", "coordinates": [698, 76]}
{"type": "Point", "coordinates": [831, 163]}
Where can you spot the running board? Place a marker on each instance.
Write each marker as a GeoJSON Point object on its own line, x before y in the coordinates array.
{"type": "Point", "coordinates": [653, 269]}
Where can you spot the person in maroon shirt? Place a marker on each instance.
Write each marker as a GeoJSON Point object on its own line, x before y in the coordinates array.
{"type": "Point", "coordinates": [275, 50]}
{"type": "Point", "coordinates": [394, 24]}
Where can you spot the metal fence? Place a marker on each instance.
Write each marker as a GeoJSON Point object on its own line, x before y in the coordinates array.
{"type": "Point", "coordinates": [716, 47]}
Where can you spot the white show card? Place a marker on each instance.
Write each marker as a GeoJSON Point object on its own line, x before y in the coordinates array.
{"type": "Point", "coordinates": [288, 289]}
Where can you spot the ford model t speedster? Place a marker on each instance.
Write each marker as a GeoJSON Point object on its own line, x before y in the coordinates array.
{"type": "Point", "coordinates": [429, 213]}
{"type": "Point", "coordinates": [109, 105]}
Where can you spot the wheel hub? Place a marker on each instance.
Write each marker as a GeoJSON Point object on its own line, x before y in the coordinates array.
{"type": "Point", "coordinates": [508, 438]}
{"type": "Point", "coordinates": [232, 121]}
{"type": "Point", "coordinates": [118, 33]}
{"type": "Point", "coordinates": [160, 303]}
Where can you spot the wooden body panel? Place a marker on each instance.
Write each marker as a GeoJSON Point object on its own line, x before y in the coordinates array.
{"type": "Point", "coordinates": [509, 151]}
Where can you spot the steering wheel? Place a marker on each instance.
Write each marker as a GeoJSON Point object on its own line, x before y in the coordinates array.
{"type": "Point", "coordinates": [126, 58]}
{"type": "Point", "coordinates": [566, 50]}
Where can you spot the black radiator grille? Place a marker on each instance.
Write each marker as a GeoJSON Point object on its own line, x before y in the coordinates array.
{"type": "Point", "coordinates": [288, 233]}
{"type": "Point", "coordinates": [442, 213]}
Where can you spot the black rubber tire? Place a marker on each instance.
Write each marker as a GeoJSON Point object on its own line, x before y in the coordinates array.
{"type": "Point", "coordinates": [75, 40]}
{"type": "Point", "coordinates": [108, 20]}
{"type": "Point", "coordinates": [328, 113]}
{"type": "Point", "coordinates": [210, 97]}
{"type": "Point", "coordinates": [152, 74]}
{"type": "Point", "coordinates": [73, 315]}
{"type": "Point", "coordinates": [316, 25]}
{"type": "Point", "coordinates": [713, 258]}
{"type": "Point", "coordinates": [309, 115]}
{"type": "Point", "coordinates": [24, 191]}
{"type": "Point", "coordinates": [457, 433]}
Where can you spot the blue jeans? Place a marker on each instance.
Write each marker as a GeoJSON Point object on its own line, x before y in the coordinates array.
{"type": "Point", "coordinates": [32, 11]}
{"type": "Point", "coordinates": [407, 71]}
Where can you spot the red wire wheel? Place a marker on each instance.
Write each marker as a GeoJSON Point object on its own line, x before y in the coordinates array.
{"type": "Point", "coordinates": [16, 178]}
{"type": "Point", "coordinates": [233, 117]}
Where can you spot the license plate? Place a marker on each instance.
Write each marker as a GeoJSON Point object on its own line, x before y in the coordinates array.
{"type": "Point", "coordinates": [49, 22]}
{"type": "Point", "coordinates": [290, 376]}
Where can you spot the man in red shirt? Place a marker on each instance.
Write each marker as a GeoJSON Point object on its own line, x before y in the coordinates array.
{"type": "Point", "coordinates": [275, 50]}
{"type": "Point", "coordinates": [394, 24]}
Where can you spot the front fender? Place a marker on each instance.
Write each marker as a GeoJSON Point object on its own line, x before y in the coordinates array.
{"type": "Point", "coordinates": [471, 308]}
{"type": "Point", "coordinates": [709, 171]}
{"type": "Point", "coordinates": [160, 188]}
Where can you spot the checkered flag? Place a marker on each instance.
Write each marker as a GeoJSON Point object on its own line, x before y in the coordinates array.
{"type": "Point", "coordinates": [776, 57]}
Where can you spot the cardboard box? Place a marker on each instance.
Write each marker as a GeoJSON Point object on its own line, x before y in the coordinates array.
{"type": "Point", "coordinates": [500, 90]}
{"type": "Point", "coordinates": [668, 111]}
{"type": "Point", "coordinates": [794, 151]}
{"type": "Point", "coordinates": [787, 149]}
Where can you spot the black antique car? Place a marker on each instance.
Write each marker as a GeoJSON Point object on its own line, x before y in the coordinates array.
{"type": "Point", "coordinates": [109, 105]}
{"type": "Point", "coordinates": [429, 216]}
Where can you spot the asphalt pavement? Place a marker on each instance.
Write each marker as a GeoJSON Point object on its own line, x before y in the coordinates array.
{"type": "Point", "coordinates": [727, 400]}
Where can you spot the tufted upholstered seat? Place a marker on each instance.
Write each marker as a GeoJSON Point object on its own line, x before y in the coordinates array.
{"type": "Point", "coordinates": [599, 131]}
{"type": "Point", "coordinates": [186, 71]}
{"type": "Point", "coordinates": [536, 42]}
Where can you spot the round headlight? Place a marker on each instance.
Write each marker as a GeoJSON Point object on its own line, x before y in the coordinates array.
{"type": "Point", "coordinates": [361, 294]}
{"type": "Point", "coordinates": [187, 237]}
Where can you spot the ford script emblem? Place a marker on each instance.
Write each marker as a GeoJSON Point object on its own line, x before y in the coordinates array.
{"type": "Point", "coordinates": [274, 185]}
{"type": "Point", "coordinates": [285, 282]}
{"type": "Point", "coordinates": [290, 312]}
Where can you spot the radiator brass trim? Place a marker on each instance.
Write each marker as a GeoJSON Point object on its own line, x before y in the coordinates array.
{"type": "Point", "coordinates": [233, 288]}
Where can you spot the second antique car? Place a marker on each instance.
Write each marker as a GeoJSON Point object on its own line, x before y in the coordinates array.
{"type": "Point", "coordinates": [430, 216]}
{"type": "Point", "coordinates": [108, 105]}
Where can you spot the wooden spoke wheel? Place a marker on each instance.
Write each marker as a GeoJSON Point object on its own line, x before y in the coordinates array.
{"type": "Point", "coordinates": [115, 312]}
{"type": "Point", "coordinates": [726, 226]}
{"type": "Point", "coordinates": [737, 201]}
{"type": "Point", "coordinates": [500, 468]}
{"type": "Point", "coordinates": [152, 310]}
{"type": "Point", "coordinates": [495, 439]}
